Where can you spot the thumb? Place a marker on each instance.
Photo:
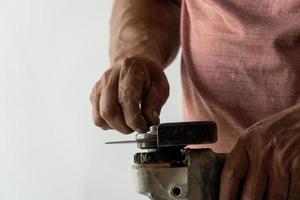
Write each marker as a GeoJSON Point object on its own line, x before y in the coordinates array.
{"type": "Point", "coordinates": [155, 99]}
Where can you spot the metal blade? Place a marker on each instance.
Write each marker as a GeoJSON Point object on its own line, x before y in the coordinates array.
{"type": "Point", "coordinates": [122, 142]}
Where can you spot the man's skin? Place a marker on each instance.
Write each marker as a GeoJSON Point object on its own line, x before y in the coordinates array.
{"type": "Point", "coordinates": [264, 163]}
{"type": "Point", "coordinates": [130, 94]}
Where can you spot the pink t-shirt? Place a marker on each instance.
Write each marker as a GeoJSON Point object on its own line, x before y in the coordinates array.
{"type": "Point", "coordinates": [241, 62]}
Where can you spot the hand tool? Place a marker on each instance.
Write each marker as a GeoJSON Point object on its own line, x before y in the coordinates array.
{"type": "Point", "coordinates": [167, 169]}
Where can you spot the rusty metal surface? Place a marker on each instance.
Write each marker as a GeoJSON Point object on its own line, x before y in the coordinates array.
{"type": "Point", "coordinates": [204, 171]}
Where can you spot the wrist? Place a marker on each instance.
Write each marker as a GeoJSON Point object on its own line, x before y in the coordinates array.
{"type": "Point", "coordinates": [145, 48]}
{"type": "Point", "coordinates": [143, 60]}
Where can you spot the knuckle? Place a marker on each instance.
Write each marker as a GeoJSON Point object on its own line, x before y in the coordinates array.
{"type": "Point", "coordinates": [125, 94]}
{"type": "Point", "coordinates": [129, 93]}
{"type": "Point", "coordinates": [107, 73]}
{"type": "Point", "coordinates": [133, 75]}
{"type": "Point", "coordinates": [133, 120]}
{"type": "Point", "coordinates": [97, 86]}
{"type": "Point", "coordinates": [106, 76]}
{"type": "Point", "coordinates": [139, 76]}
{"type": "Point", "coordinates": [107, 114]}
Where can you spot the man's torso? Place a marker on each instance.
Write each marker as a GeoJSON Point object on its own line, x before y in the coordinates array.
{"type": "Point", "coordinates": [241, 61]}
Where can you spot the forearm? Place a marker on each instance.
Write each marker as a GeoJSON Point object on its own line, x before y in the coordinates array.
{"type": "Point", "coordinates": [148, 28]}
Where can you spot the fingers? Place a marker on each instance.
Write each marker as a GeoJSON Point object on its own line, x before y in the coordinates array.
{"type": "Point", "coordinates": [132, 95]}
{"type": "Point", "coordinates": [294, 192]}
{"type": "Point", "coordinates": [131, 85]}
{"type": "Point", "coordinates": [155, 99]}
{"type": "Point", "coordinates": [278, 183]}
{"type": "Point", "coordinates": [255, 183]}
{"type": "Point", "coordinates": [137, 86]}
{"type": "Point", "coordinates": [235, 168]}
{"type": "Point", "coordinates": [278, 188]}
{"type": "Point", "coordinates": [95, 100]}
{"type": "Point", "coordinates": [110, 109]}
{"type": "Point", "coordinates": [279, 174]}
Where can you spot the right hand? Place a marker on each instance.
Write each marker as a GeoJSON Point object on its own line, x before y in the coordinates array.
{"type": "Point", "coordinates": [129, 95]}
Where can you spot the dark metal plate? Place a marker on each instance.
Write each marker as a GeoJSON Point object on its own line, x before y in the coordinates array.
{"type": "Point", "coordinates": [185, 133]}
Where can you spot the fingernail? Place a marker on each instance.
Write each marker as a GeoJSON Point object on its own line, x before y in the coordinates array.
{"type": "Point", "coordinates": [105, 127]}
{"type": "Point", "coordinates": [141, 131]}
{"type": "Point", "coordinates": [155, 114]}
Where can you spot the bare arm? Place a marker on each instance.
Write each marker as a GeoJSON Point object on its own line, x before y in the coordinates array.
{"type": "Point", "coordinates": [144, 40]}
{"type": "Point", "coordinates": [265, 162]}
{"type": "Point", "coordinates": [145, 28]}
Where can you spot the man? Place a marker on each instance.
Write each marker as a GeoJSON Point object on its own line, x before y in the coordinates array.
{"type": "Point", "coordinates": [240, 68]}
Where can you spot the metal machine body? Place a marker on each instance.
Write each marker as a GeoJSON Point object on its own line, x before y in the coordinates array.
{"type": "Point", "coordinates": [170, 171]}
{"type": "Point", "coordinates": [167, 170]}
{"type": "Point", "coordinates": [198, 180]}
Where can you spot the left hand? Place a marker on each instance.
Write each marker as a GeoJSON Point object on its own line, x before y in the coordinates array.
{"type": "Point", "coordinates": [265, 162]}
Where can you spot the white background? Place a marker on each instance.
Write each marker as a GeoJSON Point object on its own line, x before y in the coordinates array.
{"type": "Point", "coordinates": [51, 53]}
